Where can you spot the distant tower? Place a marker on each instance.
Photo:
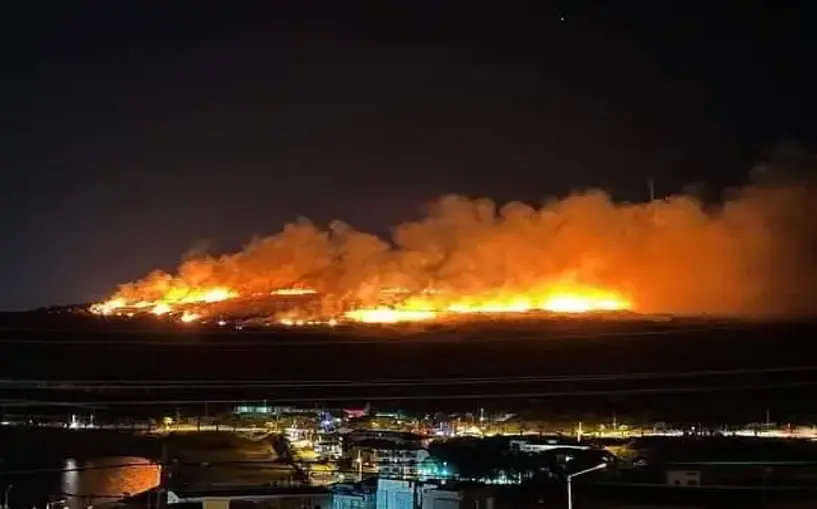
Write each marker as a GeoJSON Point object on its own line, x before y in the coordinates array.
{"type": "Point", "coordinates": [651, 188]}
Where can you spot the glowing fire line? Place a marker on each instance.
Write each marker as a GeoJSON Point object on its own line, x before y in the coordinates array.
{"type": "Point", "coordinates": [563, 302]}
{"type": "Point", "coordinates": [425, 306]}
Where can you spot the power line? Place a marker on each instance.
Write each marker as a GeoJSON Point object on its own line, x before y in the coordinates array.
{"type": "Point", "coordinates": [543, 394]}
{"type": "Point", "coordinates": [175, 463]}
{"type": "Point", "coordinates": [515, 332]}
{"type": "Point", "coordinates": [52, 470]}
{"type": "Point", "coordinates": [285, 384]}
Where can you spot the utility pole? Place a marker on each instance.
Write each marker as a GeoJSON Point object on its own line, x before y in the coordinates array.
{"type": "Point", "coordinates": [164, 475]}
{"type": "Point", "coordinates": [651, 188]}
{"type": "Point", "coordinates": [577, 474]}
{"type": "Point", "coordinates": [6, 496]}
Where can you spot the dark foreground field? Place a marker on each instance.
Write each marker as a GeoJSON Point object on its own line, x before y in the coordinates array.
{"type": "Point", "coordinates": [654, 366]}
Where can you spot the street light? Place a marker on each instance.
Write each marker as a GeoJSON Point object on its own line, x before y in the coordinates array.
{"type": "Point", "coordinates": [53, 503]}
{"type": "Point", "coordinates": [6, 496]}
{"type": "Point", "coordinates": [577, 474]}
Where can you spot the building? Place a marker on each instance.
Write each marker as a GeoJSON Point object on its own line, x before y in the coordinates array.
{"type": "Point", "coordinates": [397, 494]}
{"type": "Point", "coordinates": [458, 497]}
{"type": "Point", "coordinates": [273, 410]}
{"type": "Point", "coordinates": [538, 445]}
{"type": "Point", "coordinates": [400, 494]}
{"type": "Point", "coordinates": [354, 496]}
{"type": "Point", "coordinates": [298, 434]}
{"type": "Point", "coordinates": [329, 446]}
{"type": "Point", "coordinates": [726, 461]}
{"type": "Point", "coordinates": [283, 497]}
{"type": "Point", "coordinates": [398, 437]}
{"type": "Point", "coordinates": [683, 477]}
{"type": "Point", "coordinates": [387, 459]}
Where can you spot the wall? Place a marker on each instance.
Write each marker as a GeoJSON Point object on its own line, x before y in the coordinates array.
{"type": "Point", "coordinates": [394, 494]}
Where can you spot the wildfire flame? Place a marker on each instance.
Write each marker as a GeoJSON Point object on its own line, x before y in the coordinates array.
{"type": "Point", "coordinates": [108, 307]}
{"type": "Point", "coordinates": [293, 291]}
{"type": "Point", "coordinates": [427, 305]}
{"type": "Point", "coordinates": [385, 315]}
{"type": "Point", "coordinates": [581, 254]}
{"type": "Point", "coordinates": [167, 304]}
{"type": "Point", "coordinates": [208, 295]}
{"type": "Point", "coordinates": [565, 300]}
{"type": "Point", "coordinates": [161, 309]}
{"type": "Point", "coordinates": [188, 317]}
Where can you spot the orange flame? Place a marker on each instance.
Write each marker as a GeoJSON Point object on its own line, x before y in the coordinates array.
{"type": "Point", "coordinates": [582, 253]}
{"type": "Point", "coordinates": [385, 315]}
{"type": "Point", "coordinates": [429, 305]}
{"type": "Point", "coordinates": [562, 299]}
{"type": "Point", "coordinates": [293, 291]}
{"type": "Point", "coordinates": [108, 307]}
{"type": "Point", "coordinates": [188, 317]}
{"type": "Point", "coordinates": [167, 303]}
{"type": "Point", "coordinates": [161, 309]}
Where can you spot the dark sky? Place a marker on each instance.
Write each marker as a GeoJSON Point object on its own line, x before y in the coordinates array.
{"type": "Point", "coordinates": [131, 133]}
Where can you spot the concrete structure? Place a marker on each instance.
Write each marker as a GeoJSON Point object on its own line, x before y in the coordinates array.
{"type": "Point", "coordinates": [396, 494]}
{"type": "Point", "coordinates": [683, 477]}
{"type": "Point", "coordinates": [397, 437]}
{"type": "Point", "coordinates": [742, 474]}
{"type": "Point", "coordinates": [454, 497]}
{"type": "Point", "coordinates": [329, 446]}
{"type": "Point", "coordinates": [272, 497]}
{"type": "Point", "coordinates": [354, 496]}
{"type": "Point", "coordinates": [538, 445]}
{"type": "Point", "coordinates": [387, 459]}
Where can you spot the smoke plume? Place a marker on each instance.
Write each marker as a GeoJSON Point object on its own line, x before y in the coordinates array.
{"type": "Point", "coordinates": [750, 254]}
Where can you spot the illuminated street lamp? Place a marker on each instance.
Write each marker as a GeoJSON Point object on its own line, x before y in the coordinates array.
{"type": "Point", "coordinates": [6, 496]}
{"type": "Point", "coordinates": [55, 503]}
{"type": "Point", "coordinates": [576, 474]}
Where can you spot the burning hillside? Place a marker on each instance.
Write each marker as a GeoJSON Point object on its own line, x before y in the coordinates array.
{"type": "Point", "coordinates": [391, 306]}
{"type": "Point", "coordinates": [584, 253]}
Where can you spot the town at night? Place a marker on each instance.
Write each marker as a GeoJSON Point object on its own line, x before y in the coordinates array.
{"type": "Point", "coordinates": [322, 255]}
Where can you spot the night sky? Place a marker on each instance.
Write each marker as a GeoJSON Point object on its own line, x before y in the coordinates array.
{"type": "Point", "coordinates": [133, 133]}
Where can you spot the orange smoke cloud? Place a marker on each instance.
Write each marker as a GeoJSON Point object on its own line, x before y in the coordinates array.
{"type": "Point", "coordinates": [745, 256]}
